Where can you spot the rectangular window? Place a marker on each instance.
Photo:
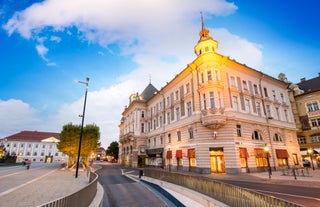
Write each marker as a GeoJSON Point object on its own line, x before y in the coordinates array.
{"type": "Point", "coordinates": [168, 101]}
{"type": "Point", "coordinates": [178, 113]}
{"type": "Point", "coordinates": [177, 95]}
{"type": "Point", "coordinates": [247, 106]}
{"type": "Point", "coordinates": [179, 135]}
{"type": "Point", "coordinates": [268, 111]}
{"type": "Point", "coordinates": [204, 101]}
{"type": "Point", "coordinates": [160, 121]}
{"type": "Point", "coordinates": [188, 87]}
{"type": "Point", "coordinates": [265, 92]}
{"type": "Point", "coordinates": [142, 114]}
{"type": "Point", "coordinates": [142, 127]}
{"type": "Point", "coordinates": [189, 108]}
{"type": "Point", "coordinates": [154, 141]}
{"type": "Point", "coordinates": [233, 81]}
{"type": "Point", "coordinates": [245, 86]}
{"type": "Point", "coordinates": [190, 130]}
{"type": "Point", "coordinates": [212, 100]}
{"type": "Point", "coordinates": [255, 88]}
{"type": "Point", "coordinates": [235, 103]}
{"type": "Point", "coordinates": [209, 75]}
{"type": "Point", "coordinates": [278, 113]}
{"type": "Point", "coordinates": [202, 78]}
{"type": "Point", "coordinates": [239, 130]}
{"type": "Point", "coordinates": [313, 107]}
{"type": "Point", "coordinates": [258, 108]}
{"type": "Point", "coordinates": [282, 98]}
{"type": "Point", "coordinates": [169, 138]}
{"type": "Point", "coordinates": [274, 94]}
{"type": "Point", "coordinates": [286, 115]}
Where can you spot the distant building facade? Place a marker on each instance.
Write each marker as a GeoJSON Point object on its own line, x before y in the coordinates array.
{"type": "Point", "coordinates": [34, 145]}
{"type": "Point", "coordinates": [215, 116]}
{"type": "Point", "coordinates": [305, 98]}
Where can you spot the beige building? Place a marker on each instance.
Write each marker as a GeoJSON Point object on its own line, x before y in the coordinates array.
{"type": "Point", "coordinates": [215, 116]}
{"type": "Point", "coordinates": [305, 98]}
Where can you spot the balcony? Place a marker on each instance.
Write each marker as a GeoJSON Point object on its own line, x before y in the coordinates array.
{"type": "Point", "coordinates": [127, 137]}
{"type": "Point", "coordinates": [213, 118]}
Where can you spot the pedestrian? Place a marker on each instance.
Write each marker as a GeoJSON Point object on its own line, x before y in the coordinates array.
{"type": "Point", "coordinates": [28, 163]}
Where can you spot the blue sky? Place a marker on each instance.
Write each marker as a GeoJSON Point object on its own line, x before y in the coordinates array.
{"type": "Point", "coordinates": [46, 46]}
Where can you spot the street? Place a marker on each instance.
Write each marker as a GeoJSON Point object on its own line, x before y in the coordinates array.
{"type": "Point", "coordinates": [305, 195]}
{"type": "Point", "coordinates": [122, 191]}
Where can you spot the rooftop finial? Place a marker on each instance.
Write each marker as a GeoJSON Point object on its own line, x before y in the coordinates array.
{"type": "Point", "coordinates": [149, 78]}
{"type": "Point", "coordinates": [204, 32]}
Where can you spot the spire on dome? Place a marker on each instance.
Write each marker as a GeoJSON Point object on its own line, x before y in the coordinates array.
{"type": "Point", "coordinates": [204, 33]}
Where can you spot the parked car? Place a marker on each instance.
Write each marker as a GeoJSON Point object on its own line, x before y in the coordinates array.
{"type": "Point", "coordinates": [306, 163]}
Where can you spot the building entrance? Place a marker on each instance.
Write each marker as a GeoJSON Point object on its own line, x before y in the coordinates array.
{"type": "Point", "coordinates": [217, 160]}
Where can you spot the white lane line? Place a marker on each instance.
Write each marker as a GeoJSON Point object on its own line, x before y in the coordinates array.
{"type": "Point", "coordinates": [20, 172]}
{"type": "Point", "coordinates": [300, 196]}
{"type": "Point", "coordinates": [24, 184]}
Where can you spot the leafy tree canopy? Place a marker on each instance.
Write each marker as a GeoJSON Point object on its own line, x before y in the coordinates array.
{"type": "Point", "coordinates": [69, 141]}
{"type": "Point", "coordinates": [113, 150]}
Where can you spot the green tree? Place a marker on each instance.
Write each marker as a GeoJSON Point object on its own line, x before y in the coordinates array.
{"type": "Point", "coordinates": [113, 150]}
{"type": "Point", "coordinates": [69, 142]}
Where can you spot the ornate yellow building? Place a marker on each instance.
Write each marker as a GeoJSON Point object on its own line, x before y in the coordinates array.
{"type": "Point", "coordinates": [305, 98]}
{"type": "Point", "coordinates": [215, 116]}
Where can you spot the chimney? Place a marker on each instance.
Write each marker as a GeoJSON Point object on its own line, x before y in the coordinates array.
{"type": "Point", "coordinates": [302, 79]}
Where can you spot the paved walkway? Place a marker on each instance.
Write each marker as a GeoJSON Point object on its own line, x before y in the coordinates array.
{"type": "Point", "coordinates": [56, 184]}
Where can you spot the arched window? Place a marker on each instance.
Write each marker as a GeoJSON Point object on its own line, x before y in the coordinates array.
{"type": "Point", "coordinates": [277, 137]}
{"type": "Point", "coordinates": [256, 135]}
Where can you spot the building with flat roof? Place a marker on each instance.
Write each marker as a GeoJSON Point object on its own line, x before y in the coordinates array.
{"type": "Point", "coordinates": [34, 145]}
{"type": "Point", "coordinates": [215, 116]}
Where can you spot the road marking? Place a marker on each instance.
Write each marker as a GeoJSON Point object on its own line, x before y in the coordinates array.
{"type": "Point", "coordinates": [20, 172]}
{"type": "Point", "coordinates": [300, 196]}
{"type": "Point", "coordinates": [24, 184]}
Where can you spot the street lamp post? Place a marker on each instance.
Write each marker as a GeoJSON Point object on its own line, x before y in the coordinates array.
{"type": "Point", "coordinates": [169, 149]}
{"type": "Point", "coordinates": [81, 131]}
{"type": "Point", "coordinates": [310, 152]}
{"type": "Point", "coordinates": [266, 149]}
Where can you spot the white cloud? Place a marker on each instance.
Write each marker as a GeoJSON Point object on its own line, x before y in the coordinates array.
{"type": "Point", "coordinates": [160, 36]}
{"type": "Point", "coordinates": [14, 114]}
{"type": "Point", "coordinates": [42, 51]}
{"type": "Point", "coordinates": [237, 48]}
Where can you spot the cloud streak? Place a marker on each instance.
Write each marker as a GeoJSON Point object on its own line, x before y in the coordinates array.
{"type": "Point", "coordinates": [159, 36]}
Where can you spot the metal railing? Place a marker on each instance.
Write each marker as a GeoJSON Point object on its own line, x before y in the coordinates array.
{"type": "Point", "coordinates": [225, 193]}
{"type": "Point", "coordinates": [81, 198]}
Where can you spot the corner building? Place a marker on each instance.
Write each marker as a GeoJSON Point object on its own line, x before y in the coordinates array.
{"type": "Point", "coordinates": [215, 116]}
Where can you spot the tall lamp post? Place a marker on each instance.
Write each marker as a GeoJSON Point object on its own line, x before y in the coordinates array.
{"type": "Point", "coordinates": [83, 113]}
{"type": "Point", "coordinates": [310, 152]}
{"type": "Point", "coordinates": [266, 149]}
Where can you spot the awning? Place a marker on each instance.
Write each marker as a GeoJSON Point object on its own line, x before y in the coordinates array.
{"type": "Point", "coordinates": [191, 153]}
{"type": "Point", "coordinates": [282, 153]}
{"type": "Point", "coordinates": [179, 154]}
{"type": "Point", "coordinates": [243, 153]}
{"type": "Point", "coordinates": [260, 153]}
{"type": "Point", "coordinates": [169, 154]}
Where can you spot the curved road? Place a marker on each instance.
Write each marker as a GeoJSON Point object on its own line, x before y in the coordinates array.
{"type": "Point", "coordinates": [304, 195]}
{"type": "Point", "coordinates": [122, 191]}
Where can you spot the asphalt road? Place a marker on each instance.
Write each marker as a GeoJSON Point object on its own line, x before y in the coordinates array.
{"type": "Point", "coordinates": [121, 191]}
{"type": "Point", "coordinates": [308, 196]}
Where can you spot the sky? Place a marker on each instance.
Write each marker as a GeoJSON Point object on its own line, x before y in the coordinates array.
{"type": "Point", "coordinates": [46, 46]}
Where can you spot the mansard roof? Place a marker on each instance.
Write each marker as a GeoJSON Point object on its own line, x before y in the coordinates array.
{"type": "Point", "coordinates": [33, 136]}
{"type": "Point", "coordinates": [148, 92]}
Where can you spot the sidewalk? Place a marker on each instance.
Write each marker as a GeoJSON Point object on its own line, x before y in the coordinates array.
{"type": "Point", "coordinates": [58, 183]}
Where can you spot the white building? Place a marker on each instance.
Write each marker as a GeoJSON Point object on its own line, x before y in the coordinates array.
{"type": "Point", "coordinates": [34, 145]}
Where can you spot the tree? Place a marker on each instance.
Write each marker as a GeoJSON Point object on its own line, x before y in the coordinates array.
{"type": "Point", "coordinates": [113, 150]}
{"type": "Point", "coordinates": [69, 142]}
